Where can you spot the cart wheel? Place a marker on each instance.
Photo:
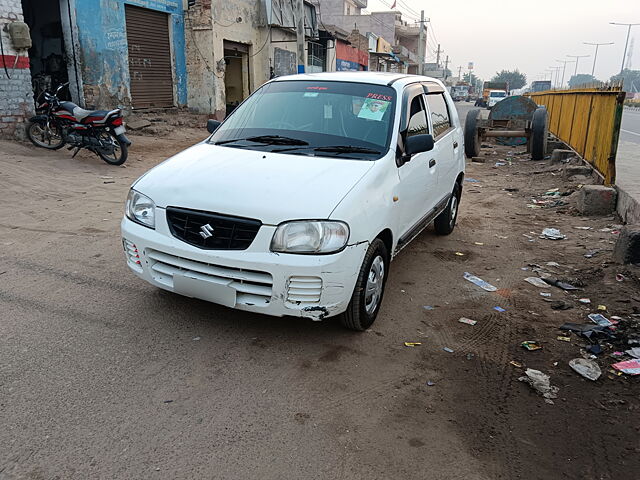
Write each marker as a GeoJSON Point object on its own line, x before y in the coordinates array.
{"type": "Point", "coordinates": [539, 128]}
{"type": "Point", "coordinates": [471, 135]}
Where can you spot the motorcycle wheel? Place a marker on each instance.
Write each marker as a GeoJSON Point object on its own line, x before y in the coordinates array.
{"type": "Point", "coordinates": [43, 136]}
{"type": "Point", "coordinates": [120, 150]}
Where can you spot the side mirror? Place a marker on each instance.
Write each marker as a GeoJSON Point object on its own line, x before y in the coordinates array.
{"type": "Point", "coordinates": [212, 125]}
{"type": "Point", "coordinates": [418, 144]}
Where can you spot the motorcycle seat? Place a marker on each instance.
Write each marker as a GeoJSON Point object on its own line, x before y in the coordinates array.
{"type": "Point", "coordinates": [87, 116]}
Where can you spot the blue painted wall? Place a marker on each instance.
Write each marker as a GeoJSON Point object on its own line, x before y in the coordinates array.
{"type": "Point", "coordinates": [102, 39]}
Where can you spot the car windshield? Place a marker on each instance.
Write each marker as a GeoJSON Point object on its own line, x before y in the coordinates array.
{"type": "Point", "coordinates": [329, 119]}
{"type": "Point", "coordinates": [498, 94]}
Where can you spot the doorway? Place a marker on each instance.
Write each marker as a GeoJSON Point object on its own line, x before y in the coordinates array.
{"type": "Point", "coordinates": [47, 57]}
{"type": "Point", "coordinates": [236, 77]}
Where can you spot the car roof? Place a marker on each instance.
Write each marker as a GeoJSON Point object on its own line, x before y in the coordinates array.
{"type": "Point", "coordinates": [377, 78]}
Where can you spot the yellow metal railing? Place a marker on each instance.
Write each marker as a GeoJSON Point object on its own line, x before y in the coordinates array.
{"type": "Point", "coordinates": [588, 120]}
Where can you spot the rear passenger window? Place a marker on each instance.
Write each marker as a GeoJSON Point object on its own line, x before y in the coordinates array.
{"type": "Point", "coordinates": [417, 118]}
{"type": "Point", "coordinates": [439, 114]}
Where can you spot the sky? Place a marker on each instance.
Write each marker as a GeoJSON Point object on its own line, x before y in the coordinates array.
{"type": "Point", "coordinates": [528, 35]}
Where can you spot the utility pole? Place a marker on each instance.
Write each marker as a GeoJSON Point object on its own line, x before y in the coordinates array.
{"type": "Point", "coordinates": [299, 19]}
{"type": "Point", "coordinates": [555, 75]}
{"type": "Point", "coordinates": [446, 65]}
{"type": "Point", "coordinates": [564, 68]}
{"type": "Point", "coordinates": [626, 44]}
{"type": "Point", "coordinates": [422, 44]}
{"type": "Point", "coordinates": [577, 57]}
{"type": "Point", "coordinates": [593, 69]}
{"type": "Point", "coordinates": [438, 56]}
{"type": "Point", "coordinates": [460, 72]}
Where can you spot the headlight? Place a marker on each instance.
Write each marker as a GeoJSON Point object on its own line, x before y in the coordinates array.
{"type": "Point", "coordinates": [310, 236]}
{"type": "Point", "coordinates": [141, 209]}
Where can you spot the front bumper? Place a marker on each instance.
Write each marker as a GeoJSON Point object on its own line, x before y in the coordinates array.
{"type": "Point", "coordinates": [255, 279]}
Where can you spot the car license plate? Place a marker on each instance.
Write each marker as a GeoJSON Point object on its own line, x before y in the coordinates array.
{"type": "Point", "coordinates": [119, 130]}
{"type": "Point", "coordinates": [219, 293]}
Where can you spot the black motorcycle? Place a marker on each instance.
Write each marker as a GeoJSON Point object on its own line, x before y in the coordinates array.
{"type": "Point", "coordinates": [61, 123]}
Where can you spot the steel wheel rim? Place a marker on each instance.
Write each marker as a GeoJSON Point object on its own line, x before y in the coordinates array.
{"type": "Point", "coordinates": [453, 209]}
{"type": "Point", "coordinates": [115, 156]}
{"type": "Point", "coordinates": [44, 136]}
{"type": "Point", "coordinates": [375, 281]}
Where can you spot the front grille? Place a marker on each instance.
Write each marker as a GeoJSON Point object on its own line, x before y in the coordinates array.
{"type": "Point", "coordinates": [252, 287]}
{"type": "Point", "coordinates": [222, 232]}
{"type": "Point", "coordinates": [304, 290]}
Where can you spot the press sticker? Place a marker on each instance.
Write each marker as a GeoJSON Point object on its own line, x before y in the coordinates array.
{"type": "Point", "coordinates": [373, 109]}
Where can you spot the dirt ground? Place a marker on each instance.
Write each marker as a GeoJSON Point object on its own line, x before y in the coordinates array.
{"type": "Point", "coordinates": [104, 376]}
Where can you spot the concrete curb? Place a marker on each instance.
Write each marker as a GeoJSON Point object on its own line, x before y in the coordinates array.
{"type": "Point", "coordinates": [627, 207]}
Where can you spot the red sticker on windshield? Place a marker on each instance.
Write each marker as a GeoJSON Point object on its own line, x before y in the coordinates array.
{"type": "Point", "coordinates": [316, 88]}
{"type": "Point", "coordinates": [377, 96]}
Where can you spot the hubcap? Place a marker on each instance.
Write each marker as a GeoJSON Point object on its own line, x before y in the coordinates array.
{"type": "Point", "coordinates": [375, 281]}
{"type": "Point", "coordinates": [454, 209]}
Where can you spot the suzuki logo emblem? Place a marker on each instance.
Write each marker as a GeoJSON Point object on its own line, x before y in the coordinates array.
{"type": "Point", "coordinates": [206, 231]}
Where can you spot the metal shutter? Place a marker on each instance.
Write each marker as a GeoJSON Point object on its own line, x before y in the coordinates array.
{"type": "Point", "coordinates": [149, 58]}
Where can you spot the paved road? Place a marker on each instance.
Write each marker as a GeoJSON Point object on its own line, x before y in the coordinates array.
{"type": "Point", "coordinates": [628, 158]}
{"type": "Point", "coordinates": [630, 131]}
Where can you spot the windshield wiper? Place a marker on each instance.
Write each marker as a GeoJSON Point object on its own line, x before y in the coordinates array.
{"type": "Point", "coordinates": [267, 140]}
{"type": "Point", "coordinates": [346, 149]}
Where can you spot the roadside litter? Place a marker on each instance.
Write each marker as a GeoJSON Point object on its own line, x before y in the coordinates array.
{"type": "Point", "coordinates": [630, 367]}
{"type": "Point", "coordinates": [412, 344]}
{"type": "Point", "coordinates": [557, 283]}
{"type": "Point", "coordinates": [585, 301]}
{"type": "Point", "coordinates": [563, 339]}
{"type": "Point", "coordinates": [537, 282]}
{"type": "Point", "coordinates": [582, 228]}
{"type": "Point", "coordinates": [545, 294]}
{"type": "Point", "coordinates": [602, 308]}
{"type": "Point", "coordinates": [531, 345]}
{"type": "Point", "coordinates": [430, 383]}
{"type": "Point", "coordinates": [471, 180]}
{"type": "Point", "coordinates": [587, 368]}
{"type": "Point", "coordinates": [428, 307]}
{"type": "Point", "coordinates": [587, 330]}
{"type": "Point", "coordinates": [479, 282]}
{"type": "Point", "coordinates": [468, 321]}
{"type": "Point", "coordinates": [620, 277]}
{"type": "Point", "coordinates": [552, 234]}
{"type": "Point", "coordinates": [499, 309]}
{"type": "Point", "coordinates": [591, 254]}
{"type": "Point", "coordinates": [447, 349]}
{"type": "Point", "coordinates": [599, 319]}
{"type": "Point", "coordinates": [594, 349]}
{"type": "Point", "coordinates": [634, 352]}
{"type": "Point", "coordinates": [541, 383]}
{"type": "Point", "coordinates": [515, 364]}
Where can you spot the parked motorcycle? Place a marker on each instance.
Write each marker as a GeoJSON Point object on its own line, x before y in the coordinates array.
{"type": "Point", "coordinates": [61, 123]}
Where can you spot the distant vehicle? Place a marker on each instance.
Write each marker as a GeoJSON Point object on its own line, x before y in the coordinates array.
{"type": "Point", "coordinates": [496, 96]}
{"type": "Point", "coordinates": [297, 202]}
{"type": "Point", "coordinates": [540, 85]}
{"type": "Point", "coordinates": [486, 88]}
{"type": "Point", "coordinates": [460, 92]}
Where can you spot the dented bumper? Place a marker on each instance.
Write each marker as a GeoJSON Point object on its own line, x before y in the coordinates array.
{"type": "Point", "coordinates": [255, 279]}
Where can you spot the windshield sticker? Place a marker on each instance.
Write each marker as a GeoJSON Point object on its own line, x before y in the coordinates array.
{"type": "Point", "coordinates": [317, 88]}
{"type": "Point", "coordinates": [311, 94]}
{"type": "Point", "coordinates": [373, 109]}
{"type": "Point", "coordinates": [377, 96]}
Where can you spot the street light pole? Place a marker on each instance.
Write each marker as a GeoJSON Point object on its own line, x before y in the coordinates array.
{"type": "Point", "coordinates": [593, 70]}
{"type": "Point", "coordinates": [626, 44]}
{"type": "Point", "coordinates": [564, 67]}
{"type": "Point", "coordinates": [577, 57]}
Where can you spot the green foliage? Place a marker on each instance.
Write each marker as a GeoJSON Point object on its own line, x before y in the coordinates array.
{"type": "Point", "coordinates": [470, 78]}
{"type": "Point", "coordinates": [581, 79]}
{"type": "Point", "coordinates": [631, 79]}
{"type": "Point", "coordinates": [513, 77]}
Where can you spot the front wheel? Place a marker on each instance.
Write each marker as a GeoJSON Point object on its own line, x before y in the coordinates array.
{"type": "Point", "coordinates": [117, 151]}
{"type": "Point", "coordinates": [45, 136]}
{"type": "Point", "coordinates": [446, 221]}
{"type": "Point", "coordinates": [367, 296]}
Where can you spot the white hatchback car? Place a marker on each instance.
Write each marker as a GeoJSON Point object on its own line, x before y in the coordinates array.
{"type": "Point", "coordinates": [298, 201]}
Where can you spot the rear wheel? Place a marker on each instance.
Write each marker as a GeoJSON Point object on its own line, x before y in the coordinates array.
{"type": "Point", "coordinates": [446, 221]}
{"type": "Point", "coordinates": [116, 153]}
{"type": "Point", "coordinates": [471, 135]}
{"type": "Point", "coordinates": [45, 136]}
{"type": "Point", "coordinates": [367, 296]}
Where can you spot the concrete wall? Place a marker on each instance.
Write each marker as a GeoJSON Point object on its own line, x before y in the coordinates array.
{"type": "Point", "coordinates": [103, 49]}
{"type": "Point", "coordinates": [16, 98]}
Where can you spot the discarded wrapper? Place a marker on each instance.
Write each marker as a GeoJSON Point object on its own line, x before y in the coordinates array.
{"type": "Point", "coordinates": [499, 309]}
{"type": "Point", "coordinates": [537, 282]}
{"type": "Point", "coordinates": [634, 352]}
{"type": "Point", "coordinates": [447, 349]}
{"type": "Point", "coordinates": [412, 344]}
{"type": "Point", "coordinates": [545, 294]}
{"type": "Point", "coordinates": [531, 345]}
{"type": "Point", "coordinates": [602, 308]}
{"type": "Point", "coordinates": [479, 282]}
{"type": "Point", "coordinates": [630, 367]}
{"type": "Point", "coordinates": [587, 368]}
{"type": "Point", "coordinates": [599, 319]}
{"type": "Point", "coordinates": [468, 321]}
{"type": "Point", "coordinates": [563, 339]}
{"type": "Point", "coordinates": [460, 254]}
{"type": "Point", "coordinates": [552, 234]}
{"type": "Point", "coordinates": [515, 364]}
{"type": "Point", "coordinates": [586, 301]}
{"type": "Point", "coordinates": [541, 383]}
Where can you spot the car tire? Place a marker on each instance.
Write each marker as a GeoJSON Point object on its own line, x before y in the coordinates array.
{"type": "Point", "coordinates": [367, 295]}
{"type": "Point", "coordinates": [539, 129]}
{"type": "Point", "coordinates": [446, 221]}
{"type": "Point", "coordinates": [471, 134]}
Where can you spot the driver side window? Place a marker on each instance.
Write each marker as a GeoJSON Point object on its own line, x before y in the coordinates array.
{"type": "Point", "coordinates": [417, 118]}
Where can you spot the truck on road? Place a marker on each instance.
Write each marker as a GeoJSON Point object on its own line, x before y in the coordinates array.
{"type": "Point", "coordinates": [487, 87]}
{"type": "Point", "coordinates": [540, 85]}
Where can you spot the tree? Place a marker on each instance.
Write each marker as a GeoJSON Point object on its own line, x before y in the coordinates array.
{"type": "Point", "coordinates": [630, 78]}
{"type": "Point", "coordinates": [514, 78]}
{"type": "Point", "coordinates": [470, 78]}
{"type": "Point", "coordinates": [581, 79]}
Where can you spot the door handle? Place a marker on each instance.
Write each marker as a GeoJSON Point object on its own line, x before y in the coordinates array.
{"type": "Point", "coordinates": [432, 163]}
{"type": "Point", "coordinates": [455, 144]}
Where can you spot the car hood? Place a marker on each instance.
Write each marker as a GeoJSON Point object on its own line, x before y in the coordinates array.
{"type": "Point", "coordinates": [270, 187]}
